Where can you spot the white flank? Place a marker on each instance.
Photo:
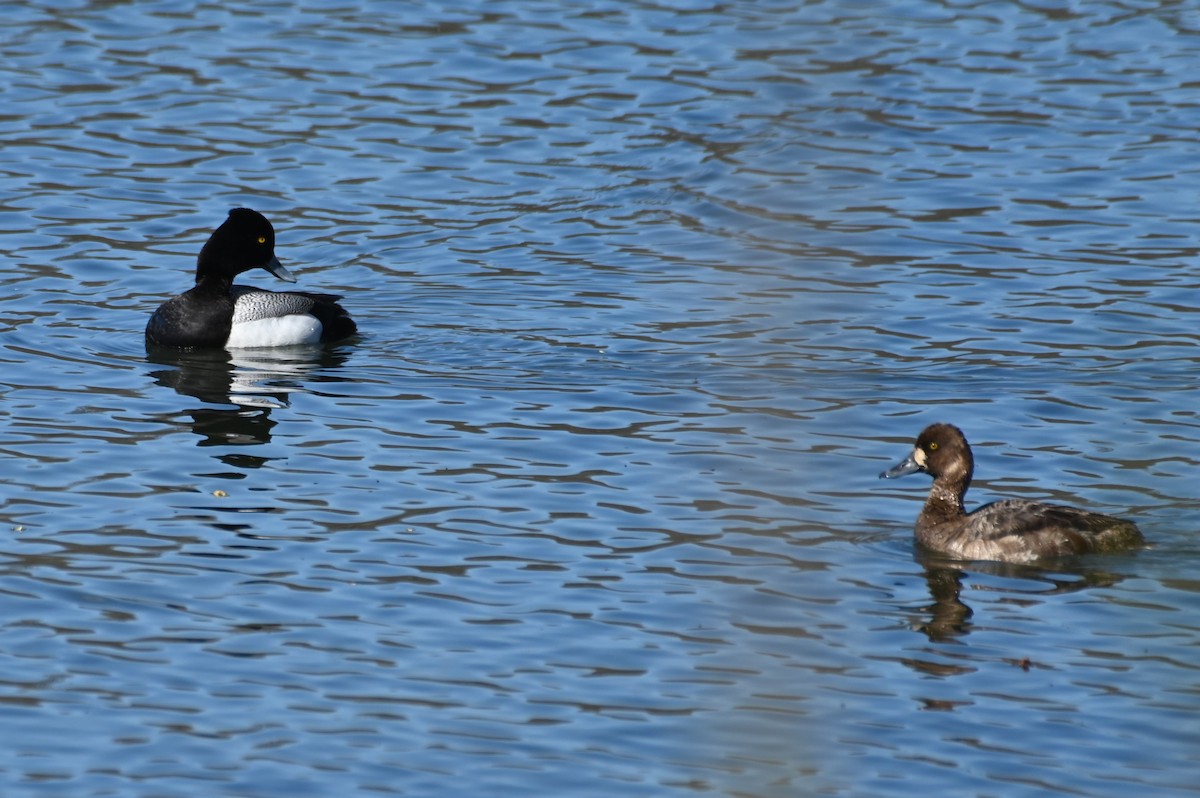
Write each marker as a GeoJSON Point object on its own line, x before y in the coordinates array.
{"type": "Point", "coordinates": [298, 328]}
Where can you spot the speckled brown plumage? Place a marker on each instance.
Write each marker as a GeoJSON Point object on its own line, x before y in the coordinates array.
{"type": "Point", "coordinates": [1010, 530]}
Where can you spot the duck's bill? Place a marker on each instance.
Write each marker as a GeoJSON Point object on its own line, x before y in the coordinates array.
{"type": "Point", "coordinates": [907, 466]}
{"type": "Point", "coordinates": [276, 268]}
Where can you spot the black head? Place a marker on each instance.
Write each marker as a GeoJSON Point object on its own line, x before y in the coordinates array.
{"type": "Point", "coordinates": [941, 451]}
{"type": "Point", "coordinates": [244, 241]}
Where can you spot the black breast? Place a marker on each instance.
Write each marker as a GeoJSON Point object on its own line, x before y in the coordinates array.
{"type": "Point", "coordinates": [193, 319]}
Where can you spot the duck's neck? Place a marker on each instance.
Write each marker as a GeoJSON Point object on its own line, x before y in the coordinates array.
{"type": "Point", "coordinates": [945, 503]}
{"type": "Point", "coordinates": [214, 283]}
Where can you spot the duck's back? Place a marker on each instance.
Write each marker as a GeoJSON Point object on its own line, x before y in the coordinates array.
{"type": "Point", "coordinates": [256, 304]}
{"type": "Point", "coordinates": [1016, 530]}
{"type": "Point", "coordinates": [271, 318]}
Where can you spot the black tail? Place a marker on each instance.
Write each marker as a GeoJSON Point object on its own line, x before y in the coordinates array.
{"type": "Point", "coordinates": [336, 323]}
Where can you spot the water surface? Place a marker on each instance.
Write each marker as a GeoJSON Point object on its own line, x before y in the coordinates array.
{"type": "Point", "coordinates": [650, 294]}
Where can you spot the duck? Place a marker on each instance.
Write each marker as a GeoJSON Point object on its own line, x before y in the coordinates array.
{"type": "Point", "coordinates": [1009, 530]}
{"type": "Point", "coordinates": [216, 313]}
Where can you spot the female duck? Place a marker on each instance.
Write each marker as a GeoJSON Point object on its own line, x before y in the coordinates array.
{"type": "Point", "coordinates": [1011, 530]}
{"type": "Point", "coordinates": [216, 313]}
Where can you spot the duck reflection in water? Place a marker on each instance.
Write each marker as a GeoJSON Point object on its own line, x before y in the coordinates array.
{"type": "Point", "coordinates": [243, 388]}
{"type": "Point", "coordinates": [947, 616]}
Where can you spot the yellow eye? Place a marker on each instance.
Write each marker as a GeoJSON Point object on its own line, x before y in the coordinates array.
{"type": "Point", "coordinates": [933, 446]}
{"type": "Point", "coordinates": [262, 239]}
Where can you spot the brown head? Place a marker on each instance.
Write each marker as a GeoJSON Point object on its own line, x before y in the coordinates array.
{"type": "Point", "coordinates": [942, 452]}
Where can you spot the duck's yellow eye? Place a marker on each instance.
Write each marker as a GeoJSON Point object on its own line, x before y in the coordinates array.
{"type": "Point", "coordinates": [262, 239]}
{"type": "Point", "coordinates": [933, 446]}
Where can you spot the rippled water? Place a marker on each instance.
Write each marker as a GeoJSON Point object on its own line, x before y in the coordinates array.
{"type": "Point", "coordinates": [650, 295]}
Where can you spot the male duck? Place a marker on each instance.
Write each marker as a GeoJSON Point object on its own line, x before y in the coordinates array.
{"type": "Point", "coordinates": [216, 313]}
{"type": "Point", "coordinates": [1010, 530]}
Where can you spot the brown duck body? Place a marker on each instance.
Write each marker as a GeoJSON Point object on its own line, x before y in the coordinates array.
{"type": "Point", "coordinates": [1010, 530]}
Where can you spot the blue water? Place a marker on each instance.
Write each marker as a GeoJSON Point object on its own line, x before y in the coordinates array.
{"type": "Point", "coordinates": [650, 294]}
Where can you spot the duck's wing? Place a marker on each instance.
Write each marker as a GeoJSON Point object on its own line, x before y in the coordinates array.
{"type": "Point", "coordinates": [1047, 530]}
{"type": "Point", "coordinates": [254, 304]}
